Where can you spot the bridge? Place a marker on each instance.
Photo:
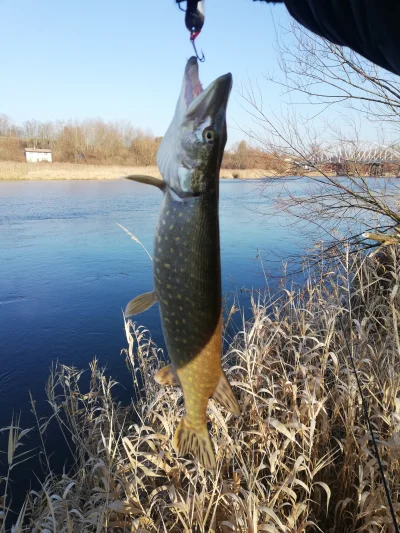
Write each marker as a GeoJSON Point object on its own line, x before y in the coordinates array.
{"type": "Point", "coordinates": [347, 157]}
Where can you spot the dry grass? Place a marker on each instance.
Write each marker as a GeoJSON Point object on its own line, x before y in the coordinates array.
{"type": "Point", "coordinates": [69, 171]}
{"type": "Point", "coordinates": [300, 457]}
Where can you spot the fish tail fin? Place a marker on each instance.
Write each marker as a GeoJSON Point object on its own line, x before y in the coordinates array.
{"type": "Point", "coordinates": [224, 395]}
{"type": "Point", "coordinates": [196, 440]}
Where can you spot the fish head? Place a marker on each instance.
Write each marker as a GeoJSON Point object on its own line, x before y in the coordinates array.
{"type": "Point", "coordinates": [190, 153]}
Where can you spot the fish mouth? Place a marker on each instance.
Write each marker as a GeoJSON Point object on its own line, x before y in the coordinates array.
{"type": "Point", "coordinates": [196, 109]}
{"type": "Point", "coordinates": [207, 101]}
{"type": "Point", "coordinates": [191, 82]}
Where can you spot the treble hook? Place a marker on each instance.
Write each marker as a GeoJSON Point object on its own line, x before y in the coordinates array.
{"type": "Point", "coordinates": [193, 36]}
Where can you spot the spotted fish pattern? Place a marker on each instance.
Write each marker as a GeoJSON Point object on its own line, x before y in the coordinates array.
{"type": "Point", "coordinates": [187, 274]}
{"type": "Point", "coordinates": [186, 259]}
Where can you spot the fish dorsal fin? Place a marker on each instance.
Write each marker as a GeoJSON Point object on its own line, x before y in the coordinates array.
{"type": "Point", "coordinates": [224, 395]}
{"type": "Point", "coordinates": [148, 180]}
{"type": "Point", "coordinates": [167, 376]}
{"type": "Point", "coordinates": [140, 303]}
{"type": "Point", "coordinates": [196, 440]}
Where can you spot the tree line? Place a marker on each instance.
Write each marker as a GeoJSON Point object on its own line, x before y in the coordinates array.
{"type": "Point", "coordinates": [96, 141]}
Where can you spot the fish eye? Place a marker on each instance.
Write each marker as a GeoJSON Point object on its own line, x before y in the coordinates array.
{"type": "Point", "coordinates": [209, 135]}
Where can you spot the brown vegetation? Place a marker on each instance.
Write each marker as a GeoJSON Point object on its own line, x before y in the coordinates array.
{"type": "Point", "coordinates": [69, 171]}
{"type": "Point", "coordinates": [300, 457]}
{"type": "Point", "coordinates": [89, 141]}
{"type": "Point", "coordinates": [242, 157]}
{"type": "Point", "coordinates": [108, 143]}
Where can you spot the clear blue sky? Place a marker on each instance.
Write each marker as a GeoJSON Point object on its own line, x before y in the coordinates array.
{"type": "Point", "coordinates": [124, 59]}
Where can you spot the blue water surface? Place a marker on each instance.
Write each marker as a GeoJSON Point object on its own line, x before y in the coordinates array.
{"type": "Point", "coordinates": [67, 270]}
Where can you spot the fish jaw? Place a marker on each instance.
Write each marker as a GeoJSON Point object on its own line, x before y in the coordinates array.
{"type": "Point", "coordinates": [190, 153]}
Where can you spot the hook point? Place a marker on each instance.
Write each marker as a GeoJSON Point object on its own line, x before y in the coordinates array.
{"type": "Point", "coordinates": [201, 58]}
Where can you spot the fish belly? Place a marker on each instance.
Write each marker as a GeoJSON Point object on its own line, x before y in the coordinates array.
{"type": "Point", "coordinates": [199, 380]}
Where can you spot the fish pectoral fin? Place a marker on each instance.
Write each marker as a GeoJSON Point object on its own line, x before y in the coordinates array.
{"type": "Point", "coordinates": [167, 376]}
{"type": "Point", "coordinates": [140, 303]}
{"type": "Point", "coordinates": [224, 395]}
{"type": "Point", "coordinates": [148, 180]}
{"type": "Point", "coordinates": [195, 440]}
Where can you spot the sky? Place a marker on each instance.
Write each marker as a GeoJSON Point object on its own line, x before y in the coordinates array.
{"type": "Point", "coordinates": [124, 60]}
{"type": "Point", "coordinates": [76, 59]}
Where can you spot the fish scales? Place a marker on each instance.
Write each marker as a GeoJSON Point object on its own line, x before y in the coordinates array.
{"type": "Point", "coordinates": [187, 274]}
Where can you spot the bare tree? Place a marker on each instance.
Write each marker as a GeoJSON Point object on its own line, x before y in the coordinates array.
{"type": "Point", "coordinates": [328, 74]}
{"type": "Point", "coordinates": [5, 125]}
{"type": "Point", "coordinates": [353, 208]}
{"type": "Point", "coordinates": [30, 128]}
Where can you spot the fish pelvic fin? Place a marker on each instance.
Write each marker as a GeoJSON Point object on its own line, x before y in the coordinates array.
{"type": "Point", "coordinates": [224, 395]}
{"type": "Point", "coordinates": [147, 180]}
{"type": "Point", "coordinates": [195, 440]}
{"type": "Point", "coordinates": [167, 376]}
{"type": "Point", "coordinates": [140, 303]}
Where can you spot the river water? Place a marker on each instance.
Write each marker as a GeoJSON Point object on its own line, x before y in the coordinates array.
{"type": "Point", "coordinates": [67, 270]}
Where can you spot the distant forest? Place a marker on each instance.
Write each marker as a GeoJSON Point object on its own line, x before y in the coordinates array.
{"type": "Point", "coordinates": [95, 141]}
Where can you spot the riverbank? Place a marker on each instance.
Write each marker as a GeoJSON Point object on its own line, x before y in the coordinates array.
{"type": "Point", "coordinates": [302, 426]}
{"type": "Point", "coordinates": [13, 171]}
{"type": "Point", "coordinates": [16, 171]}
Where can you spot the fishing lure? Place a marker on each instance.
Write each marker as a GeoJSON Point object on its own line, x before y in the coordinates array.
{"type": "Point", "coordinates": [194, 21]}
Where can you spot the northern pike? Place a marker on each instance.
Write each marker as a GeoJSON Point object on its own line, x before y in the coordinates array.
{"type": "Point", "coordinates": [186, 260]}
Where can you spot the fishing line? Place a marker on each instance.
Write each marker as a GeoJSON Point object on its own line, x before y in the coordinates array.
{"type": "Point", "coordinates": [365, 409]}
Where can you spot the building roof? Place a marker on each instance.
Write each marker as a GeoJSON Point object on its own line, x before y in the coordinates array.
{"type": "Point", "coordinates": [40, 150]}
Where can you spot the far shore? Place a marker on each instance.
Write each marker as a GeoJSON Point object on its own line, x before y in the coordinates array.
{"type": "Point", "coordinates": [13, 171]}
{"type": "Point", "coordinates": [17, 171]}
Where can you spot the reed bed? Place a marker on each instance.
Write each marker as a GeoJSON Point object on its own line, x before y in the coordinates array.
{"type": "Point", "coordinates": [14, 171]}
{"type": "Point", "coordinates": [299, 459]}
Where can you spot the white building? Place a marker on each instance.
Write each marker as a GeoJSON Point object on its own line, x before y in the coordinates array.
{"type": "Point", "coordinates": [33, 155]}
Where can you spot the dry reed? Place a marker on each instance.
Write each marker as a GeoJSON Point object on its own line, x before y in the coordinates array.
{"type": "Point", "coordinates": [69, 171]}
{"type": "Point", "coordinates": [11, 171]}
{"type": "Point", "coordinates": [298, 459]}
